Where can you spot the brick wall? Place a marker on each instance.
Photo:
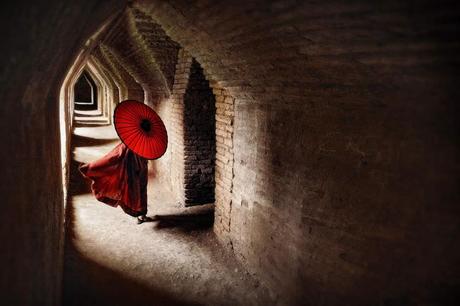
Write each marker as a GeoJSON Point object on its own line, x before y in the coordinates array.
{"type": "Point", "coordinates": [345, 171]}
{"type": "Point", "coordinates": [133, 89]}
{"type": "Point", "coordinates": [143, 49]}
{"type": "Point", "coordinates": [158, 50]}
{"type": "Point", "coordinates": [115, 87]}
{"type": "Point", "coordinates": [176, 129]}
{"type": "Point", "coordinates": [199, 138]}
{"type": "Point", "coordinates": [224, 161]}
{"type": "Point", "coordinates": [192, 137]}
{"type": "Point", "coordinates": [118, 86]}
{"type": "Point", "coordinates": [342, 141]}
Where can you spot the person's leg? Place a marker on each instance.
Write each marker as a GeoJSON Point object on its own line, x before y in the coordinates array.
{"type": "Point", "coordinates": [143, 218]}
{"type": "Point", "coordinates": [143, 180]}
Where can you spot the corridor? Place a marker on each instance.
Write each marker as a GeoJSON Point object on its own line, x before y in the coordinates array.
{"type": "Point", "coordinates": [174, 260]}
{"type": "Point", "coordinates": [312, 154]}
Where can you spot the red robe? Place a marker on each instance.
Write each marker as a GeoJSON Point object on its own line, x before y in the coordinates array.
{"type": "Point", "coordinates": [119, 178]}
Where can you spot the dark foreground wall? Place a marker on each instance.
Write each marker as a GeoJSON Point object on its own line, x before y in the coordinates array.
{"type": "Point", "coordinates": [345, 188]}
{"type": "Point", "coordinates": [39, 41]}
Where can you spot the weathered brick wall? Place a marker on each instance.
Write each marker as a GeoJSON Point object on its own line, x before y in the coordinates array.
{"type": "Point", "coordinates": [345, 186]}
{"type": "Point", "coordinates": [224, 161]}
{"type": "Point", "coordinates": [191, 129]}
{"type": "Point", "coordinates": [133, 88]}
{"type": "Point", "coordinates": [108, 91]}
{"type": "Point", "coordinates": [117, 87]}
{"type": "Point", "coordinates": [158, 50]}
{"type": "Point", "coordinates": [343, 141]}
{"type": "Point", "coordinates": [144, 55]}
{"type": "Point", "coordinates": [199, 138]}
{"type": "Point", "coordinates": [176, 129]}
{"type": "Point", "coordinates": [142, 48]}
{"type": "Point", "coordinates": [116, 77]}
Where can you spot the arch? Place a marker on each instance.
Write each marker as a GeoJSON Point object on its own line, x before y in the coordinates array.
{"type": "Point", "coordinates": [134, 90]}
{"type": "Point", "coordinates": [199, 138]}
{"type": "Point", "coordinates": [117, 83]}
{"type": "Point", "coordinates": [85, 92]}
{"type": "Point", "coordinates": [351, 80]}
{"type": "Point", "coordinates": [106, 90]}
{"type": "Point", "coordinates": [125, 44]}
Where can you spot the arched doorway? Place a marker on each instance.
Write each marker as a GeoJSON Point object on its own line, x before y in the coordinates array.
{"type": "Point", "coordinates": [85, 93]}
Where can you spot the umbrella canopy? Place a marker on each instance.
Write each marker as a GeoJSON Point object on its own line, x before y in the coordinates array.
{"type": "Point", "coordinates": [141, 129]}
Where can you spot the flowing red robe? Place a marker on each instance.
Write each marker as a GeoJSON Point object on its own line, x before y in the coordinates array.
{"type": "Point", "coordinates": [119, 178]}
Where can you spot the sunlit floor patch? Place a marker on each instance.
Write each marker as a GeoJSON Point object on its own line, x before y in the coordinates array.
{"type": "Point", "coordinates": [174, 260]}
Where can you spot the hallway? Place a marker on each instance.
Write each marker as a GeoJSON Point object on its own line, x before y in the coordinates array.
{"type": "Point", "coordinates": [312, 154]}
{"type": "Point", "coordinates": [175, 260]}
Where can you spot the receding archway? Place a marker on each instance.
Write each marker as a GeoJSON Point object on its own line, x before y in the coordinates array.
{"type": "Point", "coordinates": [85, 93]}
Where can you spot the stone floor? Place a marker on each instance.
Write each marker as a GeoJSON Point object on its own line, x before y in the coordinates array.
{"type": "Point", "coordinates": [175, 260]}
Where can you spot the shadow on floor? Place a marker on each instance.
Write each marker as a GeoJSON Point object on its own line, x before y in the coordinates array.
{"type": "Point", "coordinates": [186, 222]}
{"type": "Point", "coordinates": [79, 185]}
{"type": "Point", "coordinates": [89, 283]}
{"type": "Point", "coordinates": [83, 141]}
{"type": "Point", "coordinates": [93, 124]}
{"type": "Point", "coordinates": [82, 115]}
{"type": "Point", "coordinates": [94, 284]}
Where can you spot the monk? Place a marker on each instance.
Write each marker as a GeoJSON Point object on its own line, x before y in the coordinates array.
{"type": "Point", "coordinates": [120, 179]}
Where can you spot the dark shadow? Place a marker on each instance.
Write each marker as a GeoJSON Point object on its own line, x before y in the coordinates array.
{"type": "Point", "coordinates": [94, 284]}
{"type": "Point", "coordinates": [83, 141]}
{"type": "Point", "coordinates": [200, 136]}
{"type": "Point", "coordinates": [79, 185]}
{"type": "Point", "coordinates": [186, 222]}
{"type": "Point", "coordinates": [85, 90]}
{"type": "Point", "coordinates": [88, 115]}
{"type": "Point", "coordinates": [89, 283]}
{"type": "Point", "coordinates": [87, 124]}
{"type": "Point", "coordinates": [86, 282]}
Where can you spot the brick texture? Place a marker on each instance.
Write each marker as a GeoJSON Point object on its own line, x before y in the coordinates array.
{"type": "Point", "coordinates": [199, 138]}
{"type": "Point", "coordinates": [224, 161]}
{"type": "Point", "coordinates": [176, 130]}
{"type": "Point", "coordinates": [339, 107]}
{"type": "Point", "coordinates": [336, 125]}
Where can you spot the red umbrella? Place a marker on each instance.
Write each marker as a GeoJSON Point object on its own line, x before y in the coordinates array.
{"type": "Point", "coordinates": [141, 129]}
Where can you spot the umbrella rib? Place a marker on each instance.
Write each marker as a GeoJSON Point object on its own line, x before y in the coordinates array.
{"type": "Point", "coordinates": [135, 139]}
{"type": "Point", "coordinates": [125, 116]}
{"type": "Point", "coordinates": [131, 108]}
{"type": "Point", "coordinates": [150, 145]}
{"type": "Point", "coordinates": [155, 149]}
{"type": "Point", "coordinates": [127, 124]}
{"type": "Point", "coordinates": [147, 111]}
{"type": "Point", "coordinates": [144, 141]}
{"type": "Point", "coordinates": [126, 111]}
{"type": "Point", "coordinates": [142, 111]}
{"type": "Point", "coordinates": [131, 114]}
{"type": "Point", "coordinates": [139, 144]}
{"type": "Point", "coordinates": [127, 134]}
{"type": "Point", "coordinates": [139, 136]}
{"type": "Point", "coordinates": [126, 121]}
{"type": "Point", "coordinates": [152, 149]}
{"type": "Point", "coordinates": [128, 139]}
